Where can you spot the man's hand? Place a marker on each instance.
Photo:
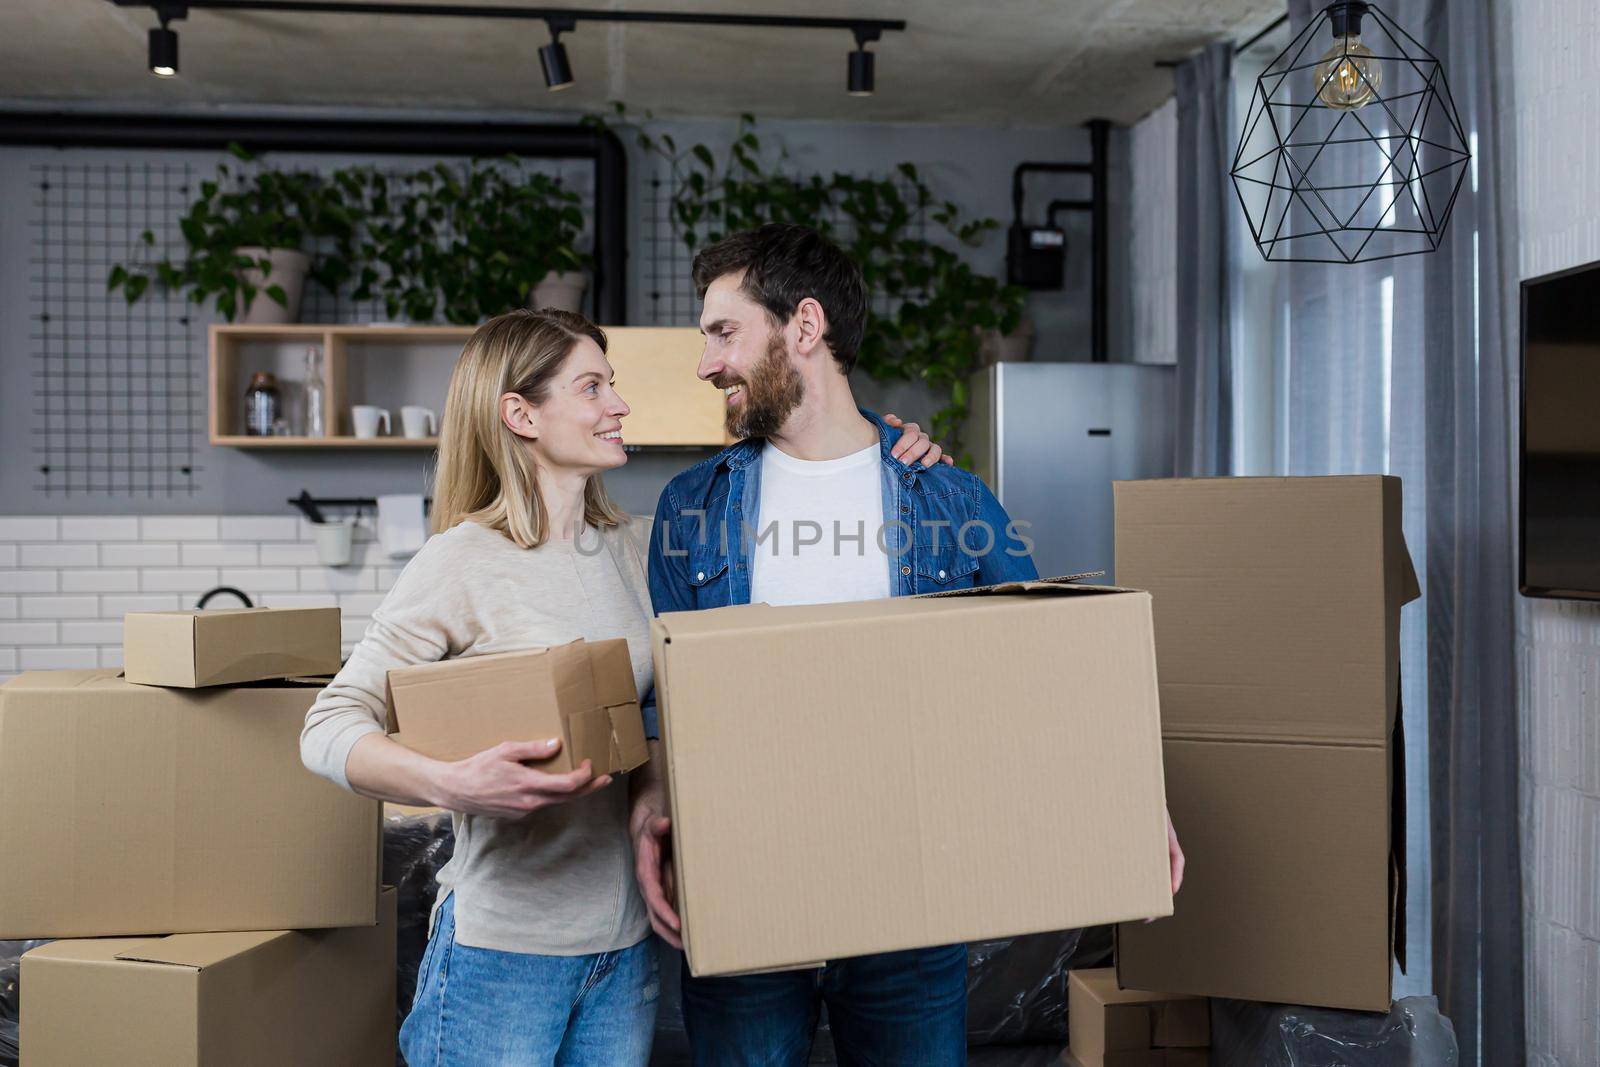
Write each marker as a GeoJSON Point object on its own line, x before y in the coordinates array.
{"type": "Point", "coordinates": [652, 864]}
{"type": "Point", "coordinates": [915, 445]}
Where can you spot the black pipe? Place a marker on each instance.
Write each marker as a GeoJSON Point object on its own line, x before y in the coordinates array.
{"type": "Point", "coordinates": [532, 140]}
{"type": "Point", "coordinates": [1100, 235]}
{"type": "Point", "coordinates": [1099, 340]}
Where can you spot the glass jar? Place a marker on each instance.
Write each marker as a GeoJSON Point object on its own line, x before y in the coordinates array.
{"type": "Point", "coordinates": [261, 405]}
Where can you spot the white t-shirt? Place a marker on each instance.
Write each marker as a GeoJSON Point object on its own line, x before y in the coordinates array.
{"type": "Point", "coordinates": [817, 540]}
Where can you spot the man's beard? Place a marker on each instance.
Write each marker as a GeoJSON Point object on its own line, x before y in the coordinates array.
{"type": "Point", "coordinates": [772, 390]}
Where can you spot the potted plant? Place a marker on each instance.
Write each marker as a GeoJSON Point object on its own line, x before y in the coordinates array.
{"type": "Point", "coordinates": [931, 307]}
{"type": "Point", "coordinates": [468, 243]}
{"type": "Point", "coordinates": [247, 238]}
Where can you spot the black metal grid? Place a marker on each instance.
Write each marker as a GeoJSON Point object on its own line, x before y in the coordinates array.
{"type": "Point", "coordinates": [118, 392]}
{"type": "Point", "coordinates": [668, 295]}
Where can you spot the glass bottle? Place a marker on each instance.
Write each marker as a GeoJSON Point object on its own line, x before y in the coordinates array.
{"type": "Point", "coordinates": [316, 425]}
{"type": "Point", "coordinates": [261, 405]}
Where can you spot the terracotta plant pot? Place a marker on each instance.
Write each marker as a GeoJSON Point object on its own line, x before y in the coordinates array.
{"type": "Point", "coordinates": [1013, 347]}
{"type": "Point", "coordinates": [563, 290]}
{"type": "Point", "coordinates": [289, 267]}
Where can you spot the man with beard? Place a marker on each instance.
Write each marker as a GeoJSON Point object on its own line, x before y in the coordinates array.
{"type": "Point", "coordinates": [811, 506]}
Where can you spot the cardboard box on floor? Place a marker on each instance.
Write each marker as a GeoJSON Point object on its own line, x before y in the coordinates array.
{"type": "Point", "coordinates": [582, 692]}
{"type": "Point", "coordinates": [1277, 620]}
{"type": "Point", "coordinates": [873, 776]}
{"type": "Point", "coordinates": [1113, 1027]}
{"type": "Point", "coordinates": [321, 998]}
{"type": "Point", "coordinates": [223, 646]}
{"type": "Point", "coordinates": [129, 809]}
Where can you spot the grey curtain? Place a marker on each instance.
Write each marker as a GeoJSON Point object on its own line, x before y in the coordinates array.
{"type": "Point", "coordinates": [1405, 366]}
{"type": "Point", "coordinates": [1205, 296]}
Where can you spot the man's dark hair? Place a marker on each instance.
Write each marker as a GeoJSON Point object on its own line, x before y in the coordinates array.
{"type": "Point", "coordinates": [783, 263]}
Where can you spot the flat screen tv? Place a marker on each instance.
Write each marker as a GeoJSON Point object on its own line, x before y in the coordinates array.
{"type": "Point", "coordinates": [1560, 454]}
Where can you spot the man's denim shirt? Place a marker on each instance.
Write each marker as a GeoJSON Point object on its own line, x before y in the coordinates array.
{"type": "Point", "coordinates": [942, 529]}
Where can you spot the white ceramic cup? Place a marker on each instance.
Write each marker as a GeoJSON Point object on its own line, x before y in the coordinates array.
{"type": "Point", "coordinates": [334, 541]}
{"type": "Point", "coordinates": [366, 420]}
{"type": "Point", "coordinates": [417, 422]}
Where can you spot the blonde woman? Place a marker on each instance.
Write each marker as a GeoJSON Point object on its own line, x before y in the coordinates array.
{"type": "Point", "coordinates": [540, 950]}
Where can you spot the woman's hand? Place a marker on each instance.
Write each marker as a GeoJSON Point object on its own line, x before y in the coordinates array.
{"type": "Point", "coordinates": [915, 445]}
{"type": "Point", "coordinates": [498, 784]}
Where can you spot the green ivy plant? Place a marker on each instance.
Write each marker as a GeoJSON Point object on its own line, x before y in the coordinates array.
{"type": "Point", "coordinates": [246, 208]}
{"type": "Point", "coordinates": [467, 243]}
{"type": "Point", "coordinates": [930, 304]}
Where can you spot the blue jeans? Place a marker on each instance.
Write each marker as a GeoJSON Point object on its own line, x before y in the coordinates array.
{"type": "Point", "coordinates": [893, 1009]}
{"type": "Point", "coordinates": [477, 1007]}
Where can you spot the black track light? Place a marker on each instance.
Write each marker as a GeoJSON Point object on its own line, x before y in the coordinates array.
{"type": "Point", "coordinates": [861, 80]}
{"type": "Point", "coordinates": [553, 57]}
{"type": "Point", "coordinates": [164, 52]}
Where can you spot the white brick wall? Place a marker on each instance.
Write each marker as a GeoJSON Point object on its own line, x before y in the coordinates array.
{"type": "Point", "coordinates": [66, 582]}
{"type": "Point", "coordinates": [1554, 97]}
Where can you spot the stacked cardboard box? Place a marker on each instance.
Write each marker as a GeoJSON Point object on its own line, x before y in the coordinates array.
{"type": "Point", "coordinates": [1277, 624]}
{"type": "Point", "coordinates": [177, 828]}
{"type": "Point", "coordinates": [1008, 781]}
{"type": "Point", "coordinates": [1113, 1027]}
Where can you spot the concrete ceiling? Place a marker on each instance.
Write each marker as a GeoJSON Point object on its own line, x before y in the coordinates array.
{"type": "Point", "coordinates": [1052, 62]}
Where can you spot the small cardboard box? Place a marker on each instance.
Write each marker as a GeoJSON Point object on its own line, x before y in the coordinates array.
{"type": "Point", "coordinates": [320, 998]}
{"type": "Point", "coordinates": [1113, 1027]}
{"type": "Point", "coordinates": [1277, 620]}
{"type": "Point", "coordinates": [582, 692]}
{"type": "Point", "coordinates": [833, 795]}
{"type": "Point", "coordinates": [132, 809]}
{"type": "Point", "coordinates": [191, 649]}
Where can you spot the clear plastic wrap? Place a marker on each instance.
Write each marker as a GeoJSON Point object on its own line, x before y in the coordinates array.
{"type": "Point", "coordinates": [11, 953]}
{"type": "Point", "coordinates": [414, 848]}
{"type": "Point", "coordinates": [1412, 1034]}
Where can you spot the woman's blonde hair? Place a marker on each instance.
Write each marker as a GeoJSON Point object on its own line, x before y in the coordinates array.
{"type": "Point", "coordinates": [485, 472]}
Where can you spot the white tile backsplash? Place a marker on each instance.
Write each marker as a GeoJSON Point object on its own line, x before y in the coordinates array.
{"type": "Point", "coordinates": [139, 555]}
{"type": "Point", "coordinates": [28, 581]}
{"type": "Point", "coordinates": [260, 528]}
{"type": "Point", "coordinates": [61, 658]}
{"type": "Point", "coordinates": [257, 580]}
{"type": "Point", "coordinates": [67, 581]}
{"type": "Point", "coordinates": [100, 581]}
{"type": "Point", "coordinates": [29, 528]}
{"type": "Point", "coordinates": [202, 554]}
{"type": "Point", "coordinates": [115, 607]}
{"type": "Point", "coordinates": [178, 527]}
{"type": "Point", "coordinates": [99, 528]}
{"type": "Point", "coordinates": [61, 607]}
{"type": "Point", "coordinates": [59, 555]}
{"type": "Point", "coordinates": [185, 580]}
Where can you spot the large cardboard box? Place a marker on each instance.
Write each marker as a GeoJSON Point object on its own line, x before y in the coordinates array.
{"type": "Point", "coordinates": [129, 809]}
{"type": "Point", "coordinates": [582, 692]}
{"type": "Point", "coordinates": [223, 646]}
{"type": "Point", "coordinates": [322, 998]}
{"type": "Point", "coordinates": [1113, 1027]}
{"type": "Point", "coordinates": [1277, 619]}
{"type": "Point", "coordinates": [866, 777]}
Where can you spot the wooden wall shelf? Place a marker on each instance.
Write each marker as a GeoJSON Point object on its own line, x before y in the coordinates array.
{"type": "Point", "coordinates": [655, 369]}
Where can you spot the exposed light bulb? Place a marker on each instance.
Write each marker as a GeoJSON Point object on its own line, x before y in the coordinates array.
{"type": "Point", "coordinates": [1347, 75]}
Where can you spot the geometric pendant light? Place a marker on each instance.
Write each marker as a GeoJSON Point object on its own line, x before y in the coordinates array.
{"type": "Point", "coordinates": [1352, 149]}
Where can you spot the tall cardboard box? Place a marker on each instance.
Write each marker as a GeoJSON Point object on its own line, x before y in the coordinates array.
{"type": "Point", "coordinates": [1277, 622]}
{"type": "Point", "coordinates": [322, 998]}
{"type": "Point", "coordinates": [224, 646]}
{"type": "Point", "coordinates": [582, 692]}
{"type": "Point", "coordinates": [131, 809]}
{"type": "Point", "coordinates": [834, 794]}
